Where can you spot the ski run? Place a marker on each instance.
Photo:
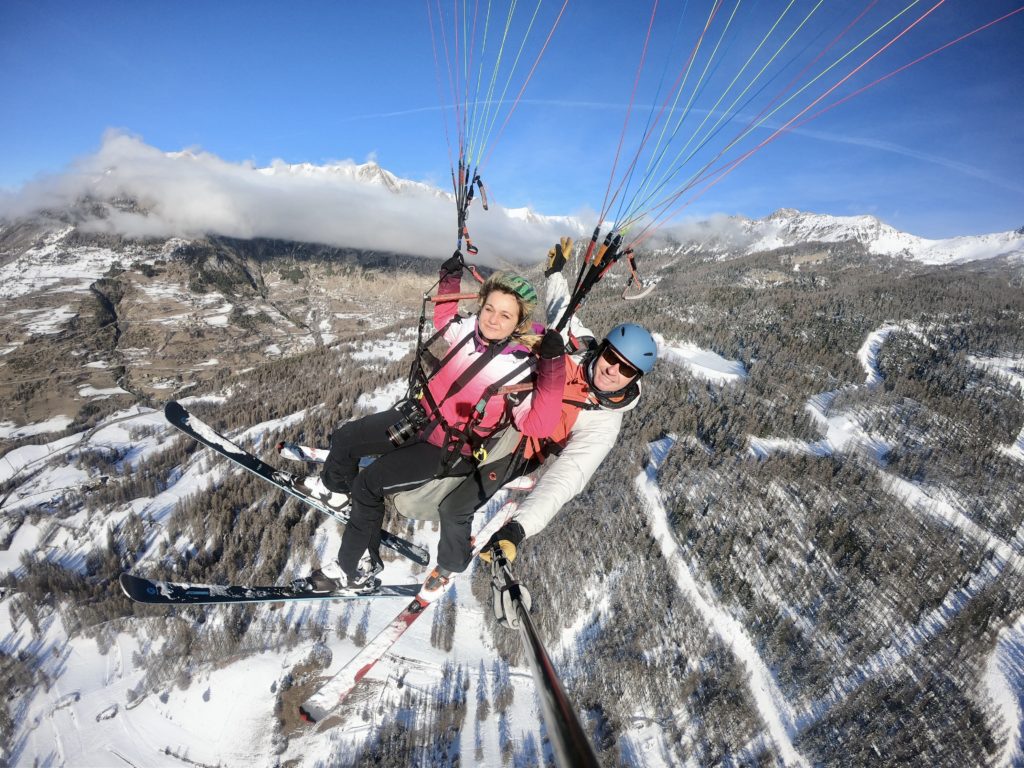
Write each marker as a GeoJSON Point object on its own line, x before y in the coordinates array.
{"type": "Point", "coordinates": [87, 717]}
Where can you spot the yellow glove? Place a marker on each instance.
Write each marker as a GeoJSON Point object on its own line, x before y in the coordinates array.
{"type": "Point", "coordinates": [558, 255]}
{"type": "Point", "coordinates": [507, 548]}
{"type": "Point", "coordinates": [508, 537]}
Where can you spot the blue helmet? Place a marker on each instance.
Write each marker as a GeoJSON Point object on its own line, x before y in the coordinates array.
{"type": "Point", "coordinates": [634, 344]}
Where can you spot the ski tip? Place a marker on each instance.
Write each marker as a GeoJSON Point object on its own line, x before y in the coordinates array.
{"type": "Point", "coordinates": [305, 716]}
{"type": "Point", "coordinates": [124, 580]}
{"type": "Point", "coordinates": [173, 411]}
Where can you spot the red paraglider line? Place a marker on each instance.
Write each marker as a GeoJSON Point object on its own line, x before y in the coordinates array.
{"type": "Point", "coordinates": [919, 59]}
{"type": "Point", "coordinates": [440, 92]}
{"type": "Point", "coordinates": [605, 206]}
{"type": "Point", "coordinates": [750, 125]}
{"type": "Point", "coordinates": [519, 95]}
{"type": "Point", "coordinates": [732, 165]}
{"type": "Point", "coordinates": [650, 131]}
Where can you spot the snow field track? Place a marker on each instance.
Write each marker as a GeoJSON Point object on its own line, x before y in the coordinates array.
{"type": "Point", "coordinates": [772, 706]}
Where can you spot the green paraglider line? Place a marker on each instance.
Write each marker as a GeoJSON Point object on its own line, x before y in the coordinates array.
{"type": "Point", "coordinates": [526, 82]}
{"type": "Point", "coordinates": [919, 59]}
{"type": "Point", "coordinates": [607, 203]}
{"type": "Point", "coordinates": [730, 110]}
{"type": "Point", "coordinates": [475, 118]}
{"type": "Point", "coordinates": [654, 101]}
{"type": "Point", "coordinates": [701, 174]}
{"type": "Point", "coordinates": [661, 146]}
{"type": "Point", "coordinates": [718, 175]}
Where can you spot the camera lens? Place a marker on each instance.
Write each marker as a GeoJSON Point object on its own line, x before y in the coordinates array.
{"type": "Point", "coordinates": [401, 431]}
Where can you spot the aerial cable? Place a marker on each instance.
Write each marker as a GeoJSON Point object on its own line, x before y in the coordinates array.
{"type": "Point", "coordinates": [661, 147]}
{"type": "Point", "coordinates": [606, 204]}
{"type": "Point", "coordinates": [717, 175]}
{"type": "Point", "coordinates": [526, 82]}
{"type": "Point", "coordinates": [482, 58]}
{"type": "Point", "coordinates": [729, 113]}
{"type": "Point", "coordinates": [637, 214]}
{"type": "Point", "coordinates": [793, 81]}
{"type": "Point", "coordinates": [452, 80]}
{"type": "Point", "coordinates": [487, 103]}
{"type": "Point", "coordinates": [746, 64]}
{"type": "Point", "coordinates": [657, 96]}
{"type": "Point", "coordinates": [908, 65]}
{"type": "Point", "coordinates": [515, 65]}
{"type": "Point", "coordinates": [473, 81]}
{"type": "Point", "coordinates": [683, 73]}
{"type": "Point", "coordinates": [702, 174]}
{"type": "Point", "coordinates": [440, 93]}
{"type": "Point", "coordinates": [455, 102]}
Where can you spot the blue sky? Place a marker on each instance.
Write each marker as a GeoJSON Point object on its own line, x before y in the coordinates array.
{"type": "Point", "coordinates": [934, 151]}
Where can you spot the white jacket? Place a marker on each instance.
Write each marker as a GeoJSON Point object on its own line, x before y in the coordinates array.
{"type": "Point", "coordinates": [592, 436]}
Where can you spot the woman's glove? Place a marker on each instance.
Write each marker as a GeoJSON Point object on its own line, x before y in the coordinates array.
{"type": "Point", "coordinates": [552, 345]}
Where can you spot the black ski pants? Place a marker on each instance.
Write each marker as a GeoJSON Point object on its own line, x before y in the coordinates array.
{"type": "Point", "coordinates": [396, 469]}
{"type": "Point", "coordinates": [455, 549]}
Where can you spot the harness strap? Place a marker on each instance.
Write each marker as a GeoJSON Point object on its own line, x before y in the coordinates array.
{"type": "Point", "coordinates": [464, 378]}
{"type": "Point", "coordinates": [467, 435]}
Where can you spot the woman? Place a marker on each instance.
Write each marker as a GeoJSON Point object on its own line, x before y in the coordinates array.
{"type": "Point", "coordinates": [438, 432]}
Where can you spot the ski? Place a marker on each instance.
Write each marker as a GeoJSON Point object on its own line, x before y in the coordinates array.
{"type": "Point", "coordinates": [198, 430]}
{"type": "Point", "coordinates": [339, 684]}
{"type": "Point", "coordinates": [153, 592]}
{"type": "Point", "coordinates": [297, 452]}
{"type": "Point", "coordinates": [311, 455]}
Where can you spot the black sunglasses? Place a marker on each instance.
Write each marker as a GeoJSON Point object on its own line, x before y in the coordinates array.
{"type": "Point", "coordinates": [613, 358]}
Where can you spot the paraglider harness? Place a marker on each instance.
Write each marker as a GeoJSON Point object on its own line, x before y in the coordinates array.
{"type": "Point", "coordinates": [419, 419]}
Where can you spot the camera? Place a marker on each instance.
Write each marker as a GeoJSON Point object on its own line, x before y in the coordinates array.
{"type": "Point", "coordinates": [414, 418]}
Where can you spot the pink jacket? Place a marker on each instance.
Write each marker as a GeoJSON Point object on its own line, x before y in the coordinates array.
{"type": "Point", "coordinates": [537, 415]}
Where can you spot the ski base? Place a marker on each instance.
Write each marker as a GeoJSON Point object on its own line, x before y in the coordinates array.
{"type": "Point", "coordinates": [298, 452]}
{"type": "Point", "coordinates": [154, 592]}
{"type": "Point", "coordinates": [338, 685]}
{"type": "Point", "coordinates": [198, 430]}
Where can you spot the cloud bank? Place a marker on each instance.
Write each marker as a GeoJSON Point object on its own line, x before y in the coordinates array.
{"type": "Point", "coordinates": [193, 193]}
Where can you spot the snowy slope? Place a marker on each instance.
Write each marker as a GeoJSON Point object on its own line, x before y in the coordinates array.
{"type": "Point", "coordinates": [788, 227]}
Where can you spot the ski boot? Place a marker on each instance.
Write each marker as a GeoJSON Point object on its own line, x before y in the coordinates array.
{"type": "Point", "coordinates": [436, 585]}
{"type": "Point", "coordinates": [331, 578]}
{"type": "Point", "coordinates": [313, 487]}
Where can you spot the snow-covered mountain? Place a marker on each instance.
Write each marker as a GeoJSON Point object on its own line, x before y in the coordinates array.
{"type": "Point", "coordinates": [731, 236]}
{"type": "Point", "coordinates": [787, 227]}
{"type": "Point", "coordinates": [367, 173]}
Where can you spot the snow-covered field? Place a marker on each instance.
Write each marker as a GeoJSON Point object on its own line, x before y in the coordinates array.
{"type": "Point", "coordinates": [702, 363]}
{"type": "Point", "coordinates": [8, 431]}
{"type": "Point", "coordinates": [225, 715]}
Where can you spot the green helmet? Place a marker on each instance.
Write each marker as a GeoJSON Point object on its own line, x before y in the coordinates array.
{"type": "Point", "coordinates": [514, 284]}
{"type": "Point", "coordinates": [520, 286]}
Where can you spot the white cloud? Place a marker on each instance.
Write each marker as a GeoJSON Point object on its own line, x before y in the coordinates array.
{"type": "Point", "coordinates": [194, 193]}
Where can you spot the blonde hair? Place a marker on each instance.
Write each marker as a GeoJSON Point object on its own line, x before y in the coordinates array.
{"type": "Point", "coordinates": [515, 286]}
